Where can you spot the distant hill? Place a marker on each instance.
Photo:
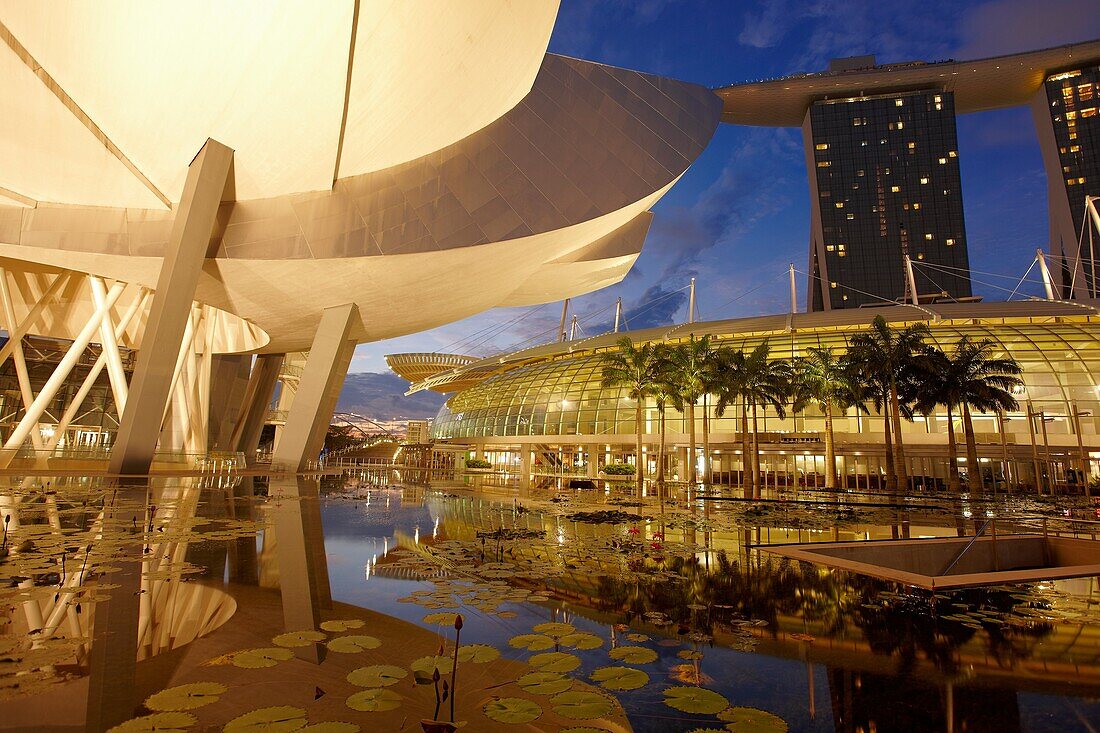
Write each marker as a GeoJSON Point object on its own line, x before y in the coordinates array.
{"type": "Point", "coordinates": [381, 396]}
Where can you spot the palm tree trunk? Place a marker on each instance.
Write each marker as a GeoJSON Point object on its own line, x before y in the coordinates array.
{"type": "Point", "coordinates": [973, 469]}
{"type": "Point", "coordinates": [706, 443]}
{"type": "Point", "coordinates": [693, 471]}
{"type": "Point", "coordinates": [746, 476]}
{"type": "Point", "coordinates": [953, 482]}
{"type": "Point", "coordinates": [830, 450]}
{"type": "Point", "coordinates": [661, 458]}
{"type": "Point", "coordinates": [887, 432]}
{"type": "Point", "coordinates": [899, 447]}
{"type": "Point", "coordinates": [639, 464]}
{"type": "Point", "coordinates": [755, 457]}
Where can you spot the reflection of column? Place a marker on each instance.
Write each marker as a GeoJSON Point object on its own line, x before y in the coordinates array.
{"type": "Point", "coordinates": [326, 367]}
{"type": "Point", "coordinates": [243, 562]}
{"type": "Point", "coordinates": [257, 396]}
{"type": "Point", "coordinates": [208, 178]}
{"type": "Point", "coordinates": [303, 571]}
{"type": "Point", "coordinates": [113, 655]}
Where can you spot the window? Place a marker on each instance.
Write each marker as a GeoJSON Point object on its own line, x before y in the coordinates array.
{"type": "Point", "coordinates": [821, 146]}
{"type": "Point", "coordinates": [898, 103]}
{"type": "Point", "coordinates": [950, 242]}
{"type": "Point", "coordinates": [851, 216]}
{"type": "Point", "coordinates": [823, 163]}
{"type": "Point", "coordinates": [924, 180]}
{"type": "Point", "coordinates": [829, 248]}
{"type": "Point", "coordinates": [928, 236]}
{"type": "Point", "coordinates": [912, 146]}
{"type": "Point", "coordinates": [953, 154]}
{"type": "Point", "coordinates": [916, 205]}
{"type": "Point", "coordinates": [839, 204]}
{"type": "Point", "coordinates": [895, 189]}
{"type": "Point", "coordinates": [832, 284]}
{"type": "Point", "coordinates": [943, 161]}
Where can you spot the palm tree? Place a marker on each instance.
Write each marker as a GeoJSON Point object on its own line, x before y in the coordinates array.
{"type": "Point", "coordinates": [729, 386]}
{"type": "Point", "coordinates": [765, 382]}
{"type": "Point", "coordinates": [709, 355]}
{"type": "Point", "coordinates": [688, 372]}
{"type": "Point", "coordinates": [886, 357]}
{"type": "Point", "coordinates": [971, 377]}
{"type": "Point", "coordinates": [661, 393]}
{"type": "Point", "coordinates": [831, 383]}
{"type": "Point", "coordinates": [635, 369]}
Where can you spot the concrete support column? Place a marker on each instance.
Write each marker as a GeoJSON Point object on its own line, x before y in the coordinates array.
{"type": "Point", "coordinates": [228, 383]}
{"type": "Point", "coordinates": [324, 373]}
{"type": "Point", "coordinates": [257, 397]}
{"type": "Point", "coordinates": [208, 179]}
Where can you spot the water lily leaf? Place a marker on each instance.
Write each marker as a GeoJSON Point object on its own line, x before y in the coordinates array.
{"type": "Point", "coordinates": [584, 729]}
{"type": "Point", "coordinates": [752, 720]}
{"type": "Point", "coordinates": [330, 726]}
{"type": "Point", "coordinates": [637, 638]}
{"type": "Point", "coordinates": [478, 653]}
{"type": "Point", "coordinates": [377, 675]}
{"type": "Point", "coordinates": [620, 678]}
{"type": "Point", "coordinates": [633, 654]}
{"type": "Point", "coordinates": [173, 722]}
{"type": "Point", "coordinates": [554, 630]}
{"type": "Point", "coordinates": [689, 654]}
{"type": "Point", "coordinates": [279, 719]}
{"type": "Point", "coordinates": [374, 700]}
{"type": "Point", "coordinates": [440, 619]}
{"type": "Point", "coordinates": [531, 642]}
{"type": "Point", "coordinates": [554, 662]}
{"type": "Point", "coordinates": [298, 638]}
{"type": "Point", "coordinates": [544, 683]}
{"type": "Point", "coordinates": [185, 697]}
{"type": "Point", "coordinates": [265, 657]}
{"type": "Point", "coordinates": [512, 710]}
{"type": "Point", "coordinates": [581, 705]}
{"type": "Point", "coordinates": [353, 643]}
{"type": "Point", "coordinates": [582, 640]}
{"type": "Point", "coordinates": [342, 625]}
{"type": "Point", "coordinates": [427, 664]}
{"type": "Point", "coordinates": [695, 700]}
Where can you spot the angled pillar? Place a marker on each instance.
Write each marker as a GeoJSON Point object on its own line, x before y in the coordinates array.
{"type": "Point", "coordinates": [208, 177]}
{"type": "Point", "coordinates": [257, 397]}
{"type": "Point", "coordinates": [322, 378]}
{"type": "Point", "coordinates": [228, 382]}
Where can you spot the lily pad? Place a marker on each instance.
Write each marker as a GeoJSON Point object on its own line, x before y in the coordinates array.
{"type": "Point", "coordinates": [512, 710]}
{"type": "Point", "coordinates": [582, 640]}
{"type": "Point", "coordinates": [330, 726]}
{"type": "Point", "coordinates": [691, 699]}
{"type": "Point", "coordinates": [173, 722]}
{"type": "Point", "coordinates": [581, 705]}
{"type": "Point", "coordinates": [544, 683]}
{"type": "Point", "coordinates": [554, 662]}
{"type": "Point", "coordinates": [531, 642]}
{"type": "Point", "coordinates": [353, 644]}
{"type": "Point", "coordinates": [374, 700]}
{"type": "Point", "coordinates": [440, 619]}
{"type": "Point", "coordinates": [265, 657]}
{"type": "Point", "coordinates": [427, 664]}
{"type": "Point", "coordinates": [478, 653]}
{"type": "Point", "coordinates": [185, 697]}
{"type": "Point", "coordinates": [752, 720]}
{"type": "Point", "coordinates": [377, 675]}
{"type": "Point", "coordinates": [298, 638]}
{"type": "Point", "coordinates": [689, 654]}
{"type": "Point", "coordinates": [279, 719]}
{"type": "Point", "coordinates": [584, 729]}
{"type": "Point", "coordinates": [342, 625]}
{"type": "Point", "coordinates": [633, 654]}
{"type": "Point", "coordinates": [620, 678]}
{"type": "Point", "coordinates": [554, 630]}
{"type": "Point", "coordinates": [637, 638]}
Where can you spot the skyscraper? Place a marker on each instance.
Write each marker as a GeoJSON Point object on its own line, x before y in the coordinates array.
{"type": "Point", "coordinates": [884, 183]}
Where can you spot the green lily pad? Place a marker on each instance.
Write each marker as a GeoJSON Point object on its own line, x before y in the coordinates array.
{"type": "Point", "coordinates": [581, 705]}
{"type": "Point", "coordinates": [172, 722]}
{"type": "Point", "coordinates": [752, 720]}
{"type": "Point", "coordinates": [478, 653]}
{"type": "Point", "coordinates": [330, 726]}
{"type": "Point", "coordinates": [374, 700]}
{"type": "Point", "coordinates": [427, 664]}
{"type": "Point", "coordinates": [185, 697]}
{"type": "Point", "coordinates": [377, 675]}
{"type": "Point", "coordinates": [342, 625]}
{"type": "Point", "coordinates": [554, 630]}
{"type": "Point", "coordinates": [582, 640]}
{"type": "Point", "coordinates": [265, 657]}
{"type": "Point", "coordinates": [620, 678]}
{"type": "Point", "coordinates": [633, 654]}
{"type": "Point", "coordinates": [554, 662]}
{"type": "Point", "coordinates": [691, 699]}
{"type": "Point", "coordinates": [512, 710]}
{"type": "Point", "coordinates": [279, 719]}
{"type": "Point", "coordinates": [352, 644]}
{"type": "Point", "coordinates": [440, 619]}
{"type": "Point", "coordinates": [531, 642]}
{"type": "Point", "coordinates": [637, 638]}
{"type": "Point", "coordinates": [689, 654]}
{"type": "Point", "coordinates": [298, 638]}
{"type": "Point", "coordinates": [544, 683]}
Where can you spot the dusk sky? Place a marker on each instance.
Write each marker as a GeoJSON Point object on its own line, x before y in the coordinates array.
{"type": "Point", "coordinates": [740, 214]}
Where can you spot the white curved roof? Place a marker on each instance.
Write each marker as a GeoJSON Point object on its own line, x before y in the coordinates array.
{"type": "Point", "coordinates": [104, 102]}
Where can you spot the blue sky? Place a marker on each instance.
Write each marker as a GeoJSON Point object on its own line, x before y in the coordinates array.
{"type": "Point", "coordinates": [741, 213]}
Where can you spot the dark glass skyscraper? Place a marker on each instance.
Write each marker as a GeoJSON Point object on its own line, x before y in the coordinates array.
{"type": "Point", "coordinates": [1066, 114]}
{"type": "Point", "coordinates": [884, 180]}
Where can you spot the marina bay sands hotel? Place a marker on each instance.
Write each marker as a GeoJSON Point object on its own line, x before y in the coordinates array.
{"type": "Point", "coordinates": [882, 157]}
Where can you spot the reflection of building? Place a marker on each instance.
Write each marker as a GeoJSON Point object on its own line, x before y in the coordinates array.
{"type": "Point", "coordinates": [199, 191]}
{"type": "Point", "coordinates": [1065, 110]}
{"type": "Point", "coordinates": [543, 410]}
{"type": "Point", "coordinates": [883, 161]}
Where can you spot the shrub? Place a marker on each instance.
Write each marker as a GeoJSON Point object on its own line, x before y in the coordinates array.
{"type": "Point", "coordinates": [619, 469]}
{"type": "Point", "coordinates": [478, 463]}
